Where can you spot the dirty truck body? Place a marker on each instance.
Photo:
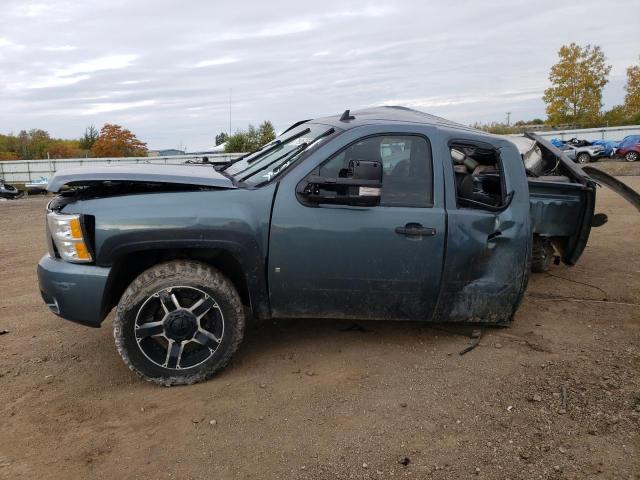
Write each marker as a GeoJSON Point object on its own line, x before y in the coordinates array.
{"type": "Point", "coordinates": [386, 213]}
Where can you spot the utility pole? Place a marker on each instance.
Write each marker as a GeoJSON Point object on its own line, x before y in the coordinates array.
{"type": "Point", "coordinates": [230, 92]}
{"type": "Point", "coordinates": [508, 119]}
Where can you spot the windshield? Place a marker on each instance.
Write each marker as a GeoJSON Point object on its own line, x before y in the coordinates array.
{"type": "Point", "coordinates": [275, 157]}
{"type": "Point", "coordinates": [630, 139]}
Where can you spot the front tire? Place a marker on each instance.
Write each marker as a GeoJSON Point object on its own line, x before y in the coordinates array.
{"type": "Point", "coordinates": [631, 156]}
{"type": "Point", "coordinates": [584, 158]}
{"type": "Point", "coordinates": [179, 323]}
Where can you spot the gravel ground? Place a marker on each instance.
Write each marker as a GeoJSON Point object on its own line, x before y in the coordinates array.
{"type": "Point", "coordinates": [555, 396]}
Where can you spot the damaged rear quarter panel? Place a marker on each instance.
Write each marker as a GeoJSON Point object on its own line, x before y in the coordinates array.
{"type": "Point", "coordinates": [486, 263]}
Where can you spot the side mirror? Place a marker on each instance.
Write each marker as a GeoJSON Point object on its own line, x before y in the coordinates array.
{"type": "Point", "coordinates": [360, 184]}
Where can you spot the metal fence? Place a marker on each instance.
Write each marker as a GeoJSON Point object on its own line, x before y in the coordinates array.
{"type": "Point", "coordinates": [603, 133]}
{"type": "Point", "coordinates": [23, 171]}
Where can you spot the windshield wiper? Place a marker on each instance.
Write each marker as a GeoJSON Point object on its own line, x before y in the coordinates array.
{"type": "Point", "coordinates": [296, 150]}
{"type": "Point", "coordinates": [242, 157]}
{"type": "Point", "coordinates": [288, 156]}
{"type": "Point", "coordinates": [270, 148]}
{"type": "Point", "coordinates": [279, 143]}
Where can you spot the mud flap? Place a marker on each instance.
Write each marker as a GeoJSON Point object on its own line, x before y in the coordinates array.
{"type": "Point", "coordinates": [626, 192]}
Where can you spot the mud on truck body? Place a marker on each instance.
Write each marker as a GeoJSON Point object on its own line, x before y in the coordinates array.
{"type": "Point", "coordinates": [387, 213]}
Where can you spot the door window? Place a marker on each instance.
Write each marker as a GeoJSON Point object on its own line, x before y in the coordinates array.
{"type": "Point", "coordinates": [407, 178]}
{"type": "Point", "coordinates": [479, 176]}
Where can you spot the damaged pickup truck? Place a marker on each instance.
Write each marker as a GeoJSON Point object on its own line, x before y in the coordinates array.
{"type": "Point", "coordinates": [386, 213]}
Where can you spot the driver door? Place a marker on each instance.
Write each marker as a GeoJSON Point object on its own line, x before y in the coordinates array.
{"type": "Point", "coordinates": [345, 261]}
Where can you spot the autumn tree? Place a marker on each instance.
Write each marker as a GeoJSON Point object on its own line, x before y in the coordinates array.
{"type": "Point", "coordinates": [577, 80]}
{"type": "Point", "coordinates": [8, 147]}
{"type": "Point", "coordinates": [116, 141]}
{"type": "Point", "coordinates": [632, 98]}
{"type": "Point", "coordinates": [4, 155]}
{"type": "Point", "coordinates": [32, 144]}
{"type": "Point", "coordinates": [62, 149]}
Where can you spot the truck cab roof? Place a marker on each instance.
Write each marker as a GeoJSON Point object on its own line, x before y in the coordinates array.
{"type": "Point", "coordinates": [386, 114]}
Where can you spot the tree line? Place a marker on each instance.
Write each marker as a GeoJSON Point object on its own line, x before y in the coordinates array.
{"type": "Point", "coordinates": [112, 141]}
{"type": "Point", "coordinates": [247, 140]}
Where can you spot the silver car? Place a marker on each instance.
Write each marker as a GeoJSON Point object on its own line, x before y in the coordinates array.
{"type": "Point", "coordinates": [583, 154]}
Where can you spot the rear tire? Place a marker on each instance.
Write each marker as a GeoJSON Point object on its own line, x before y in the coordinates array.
{"type": "Point", "coordinates": [178, 323]}
{"type": "Point", "coordinates": [631, 156]}
{"type": "Point", "coordinates": [541, 255]}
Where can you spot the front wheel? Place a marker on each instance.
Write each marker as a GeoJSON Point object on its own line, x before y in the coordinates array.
{"type": "Point", "coordinates": [178, 323]}
{"type": "Point", "coordinates": [584, 158]}
{"type": "Point", "coordinates": [631, 156]}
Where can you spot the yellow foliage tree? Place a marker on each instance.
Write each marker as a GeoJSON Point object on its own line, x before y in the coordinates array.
{"type": "Point", "coordinates": [632, 98]}
{"type": "Point", "coordinates": [577, 80]}
{"type": "Point", "coordinates": [116, 141]}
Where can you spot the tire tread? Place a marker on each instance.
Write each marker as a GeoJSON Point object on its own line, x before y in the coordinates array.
{"type": "Point", "coordinates": [181, 269]}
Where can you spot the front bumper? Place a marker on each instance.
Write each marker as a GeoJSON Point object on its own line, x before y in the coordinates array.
{"type": "Point", "coordinates": [72, 291]}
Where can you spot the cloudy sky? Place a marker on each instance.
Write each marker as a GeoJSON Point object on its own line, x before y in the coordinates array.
{"type": "Point", "coordinates": [164, 68]}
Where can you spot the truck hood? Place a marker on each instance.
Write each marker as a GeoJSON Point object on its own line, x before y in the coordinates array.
{"type": "Point", "coordinates": [195, 175]}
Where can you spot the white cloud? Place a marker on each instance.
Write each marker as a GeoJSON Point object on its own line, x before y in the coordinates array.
{"type": "Point", "coordinates": [9, 44]}
{"type": "Point", "coordinates": [111, 62]}
{"type": "Point", "coordinates": [31, 9]}
{"type": "Point", "coordinates": [277, 30]}
{"type": "Point", "coordinates": [53, 81]}
{"type": "Point", "coordinates": [133, 82]}
{"type": "Point", "coordinates": [114, 107]}
{"type": "Point", "coordinates": [60, 48]}
{"type": "Point", "coordinates": [368, 11]}
{"type": "Point", "coordinates": [273, 30]}
{"type": "Point", "coordinates": [216, 61]}
{"type": "Point", "coordinates": [448, 101]}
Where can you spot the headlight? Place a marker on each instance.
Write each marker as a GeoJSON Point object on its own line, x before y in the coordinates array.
{"type": "Point", "coordinates": [68, 237]}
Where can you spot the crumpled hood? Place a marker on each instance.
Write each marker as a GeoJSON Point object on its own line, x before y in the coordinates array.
{"type": "Point", "coordinates": [198, 175]}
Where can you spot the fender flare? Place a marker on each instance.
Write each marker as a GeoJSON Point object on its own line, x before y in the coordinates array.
{"type": "Point", "coordinates": [248, 255]}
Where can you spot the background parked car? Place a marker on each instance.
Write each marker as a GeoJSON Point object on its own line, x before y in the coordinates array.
{"type": "Point", "coordinates": [629, 148]}
{"type": "Point", "coordinates": [582, 153]}
{"type": "Point", "coordinates": [8, 191]}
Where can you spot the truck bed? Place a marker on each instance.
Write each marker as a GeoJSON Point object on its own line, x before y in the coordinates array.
{"type": "Point", "coordinates": [556, 206]}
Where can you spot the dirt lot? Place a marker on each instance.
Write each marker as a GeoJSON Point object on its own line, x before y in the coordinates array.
{"type": "Point", "coordinates": [555, 396]}
{"type": "Point", "coordinates": [617, 167]}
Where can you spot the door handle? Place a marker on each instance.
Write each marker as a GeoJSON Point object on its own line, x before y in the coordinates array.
{"type": "Point", "coordinates": [416, 230]}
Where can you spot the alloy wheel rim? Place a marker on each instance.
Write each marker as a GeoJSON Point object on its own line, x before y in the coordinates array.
{"type": "Point", "coordinates": [179, 327]}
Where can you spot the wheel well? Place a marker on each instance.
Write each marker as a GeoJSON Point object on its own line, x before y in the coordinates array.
{"type": "Point", "coordinates": [127, 267]}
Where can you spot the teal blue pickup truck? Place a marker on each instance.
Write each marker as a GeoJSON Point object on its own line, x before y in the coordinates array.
{"type": "Point", "coordinates": [386, 213]}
